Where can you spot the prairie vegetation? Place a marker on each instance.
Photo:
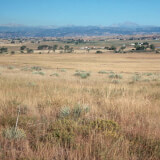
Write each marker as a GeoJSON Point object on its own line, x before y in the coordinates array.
{"type": "Point", "coordinates": [80, 107]}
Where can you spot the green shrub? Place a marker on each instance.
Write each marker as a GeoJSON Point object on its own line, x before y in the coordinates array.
{"type": "Point", "coordinates": [55, 74]}
{"type": "Point", "coordinates": [61, 131]}
{"type": "Point", "coordinates": [112, 76]}
{"type": "Point", "coordinates": [26, 69]}
{"type": "Point", "coordinates": [115, 76]}
{"type": "Point", "coordinates": [10, 67]}
{"type": "Point", "coordinates": [99, 52]}
{"type": "Point", "coordinates": [107, 128]}
{"type": "Point", "coordinates": [83, 75]}
{"type": "Point", "coordinates": [76, 112]}
{"type": "Point", "coordinates": [80, 71]}
{"type": "Point", "coordinates": [149, 74]}
{"type": "Point", "coordinates": [37, 68]}
{"type": "Point", "coordinates": [65, 131]}
{"type": "Point", "coordinates": [136, 78]}
{"type": "Point", "coordinates": [12, 52]}
{"type": "Point", "coordinates": [105, 125]}
{"type": "Point", "coordinates": [12, 133]}
{"type": "Point", "coordinates": [102, 72]}
{"type": "Point", "coordinates": [65, 112]}
{"type": "Point", "coordinates": [40, 73]}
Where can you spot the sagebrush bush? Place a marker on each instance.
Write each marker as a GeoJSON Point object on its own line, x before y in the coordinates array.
{"type": "Point", "coordinates": [105, 125]}
{"type": "Point", "coordinates": [66, 131]}
{"type": "Point", "coordinates": [149, 74]}
{"type": "Point", "coordinates": [65, 112]}
{"type": "Point", "coordinates": [80, 71]}
{"type": "Point", "coordinates": [54, 74]}
{"type": "Point", "coordinates": [115, 76]}
{"type": "Point", "coordinates": [26, 69]}
{"type": "Point", "coordinates": [102, 72]}
{"type": "Point", "coordinates": [83, 75]}
{"type": "Point", "coordinates": [12, 133]}
{"type": "Point", "coordinates": [10, 67]}
{"type": "Point", "coordinates": [76, 112]}
{"type": "Point", "coordinates": [40, 73]}
{"type": "Point", "coordinates": [61, 131]}
{"type": "Point", "coordinates": [136, 78]}
{"type": "Point", "coordinates": [37, 68]}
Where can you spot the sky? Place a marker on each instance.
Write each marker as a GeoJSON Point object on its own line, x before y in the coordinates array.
{"type": "Point", "coordinates": [79, 12]}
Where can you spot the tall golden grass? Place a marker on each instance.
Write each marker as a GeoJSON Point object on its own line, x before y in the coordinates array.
{"type": "Point", "coordinates": [122, 121]}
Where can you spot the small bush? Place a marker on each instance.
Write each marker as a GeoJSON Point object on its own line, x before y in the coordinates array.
{"type": "Point", "coordinates": [66, 131]}
{"type": "Point", "coordinates": [136, 78]}
{"type": "Point", "coordinates": [76, 112]}
{"type": "Point", "coordinates": [37, 68]}
{"type": "Point", "coordinates": [26, 69]}
{"type": "Point", "coordinates": [40, 73]}
{"type": "Point", "coordinates": [148, 74]}
{"type": "Point", "coordinates": [55, 74]}
{"type": "Point", "coordinates": [83, 75]}
{"type": "Point", "coordinates": [12, 52]}
{"type": "Point", "coordinates": [115, 76]}
{"type": "Point", "coordinates": [61, 131]}
{"type": "Point", "coordinates": [79, 71]}
{"type": "Point", "coordinates": [12, 133]}
{"type": "Point", "coordinates": [105, 125]}
{"type": "Point", "coordinates": [102, 72]}
{"type": "Point", "coordinates": [99, 52]}
{"type": "Point", "coordinates": [10, 67]}
{"type": "Point", "coordinates": [64, 112]}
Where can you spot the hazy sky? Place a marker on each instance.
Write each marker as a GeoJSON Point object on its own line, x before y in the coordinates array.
{"type": "Point", "coordinates": [79, 12]}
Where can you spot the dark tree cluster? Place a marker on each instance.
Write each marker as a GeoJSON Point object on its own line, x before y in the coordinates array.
{"type": "Point", "coordinates": [113, 48]}
{"type": "Point", "coordinates": [143, 46]}
{"type": "Point", "coordinates": [3, 50]}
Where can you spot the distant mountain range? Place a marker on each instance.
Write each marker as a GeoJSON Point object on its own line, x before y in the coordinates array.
{"type": "Point", "coordinates": [127, 28]}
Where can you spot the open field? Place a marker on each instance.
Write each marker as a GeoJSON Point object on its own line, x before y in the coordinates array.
{"type": "Point", "coordinates": [80, 44]}
{"type": "Point", "coordinates": [80, 106]}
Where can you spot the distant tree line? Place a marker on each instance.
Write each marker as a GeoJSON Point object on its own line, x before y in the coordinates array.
{"type": "Point", "coordinates": [143, 46]}
{"type": "Point", "coordinates": [66, 48]}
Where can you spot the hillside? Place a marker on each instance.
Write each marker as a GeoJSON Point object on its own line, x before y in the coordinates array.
{"type": "Point", "coordinates": [25, 31]}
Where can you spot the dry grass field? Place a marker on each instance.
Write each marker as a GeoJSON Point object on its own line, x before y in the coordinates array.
{"type": "Point", "coordinates": [80, 107]}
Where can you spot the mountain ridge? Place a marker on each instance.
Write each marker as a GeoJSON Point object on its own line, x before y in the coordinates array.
{"type": "Point", "coordinates": [127, 28]}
